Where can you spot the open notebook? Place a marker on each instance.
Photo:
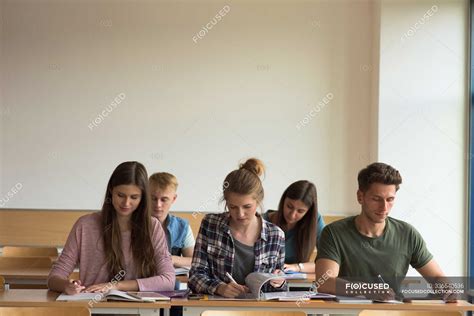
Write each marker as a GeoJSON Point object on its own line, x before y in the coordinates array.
{"type": "Point", "coordinates": [278, 296]}
{"type": "Point", "coordinates": [292, 275]}
{"type": "Point", "coordinates": [363, 300]}
{"type": "Point", "coordinates": [181, 271]}
{"type": "Point", "coordinates": [256, 280]}
{"type": "Point", "coordinates": [115, 295]}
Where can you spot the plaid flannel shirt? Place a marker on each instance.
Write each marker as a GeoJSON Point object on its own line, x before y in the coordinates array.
{"type": "Point", "coordinates": [214, 253]}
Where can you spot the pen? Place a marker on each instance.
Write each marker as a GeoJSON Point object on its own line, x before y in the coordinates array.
{"type": "Point", "coordinates": [380, 278]}
{"type": "Point", "coordinates": [230, 277]}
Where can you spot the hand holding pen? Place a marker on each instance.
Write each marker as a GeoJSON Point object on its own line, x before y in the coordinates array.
{"type": "Point", "coordinates": [386, 296]}
{"type": "Point", "coordinates": [278, 283]}
{"type": "Point", "coordinates": [231, 289]}
{"type": "Point", "coordinates": [74, 287]}
{"type": "Point", "coordinates": [229, 276]}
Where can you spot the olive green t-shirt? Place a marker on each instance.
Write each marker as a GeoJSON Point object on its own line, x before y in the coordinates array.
{"type": "Point", "coordinates": [363, 257]}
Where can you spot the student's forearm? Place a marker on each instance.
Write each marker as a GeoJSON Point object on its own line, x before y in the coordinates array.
{"type": "Point", "coordinates": [57, 284]}
{"type": "Point", "coordinates": [179, 261]}
{"type": "Point", "coordinates": [128, 285]}
{"type": "Point", "coordinates": [163, 281]}
{"type": "Point", "coordinates": [308, 267]}
{"type": "Point", "coordinates": [202, 283]}
{"type": "Point", "coordinates": [330, 284]}
{"type": "Point", "coordinates": [327, 286]}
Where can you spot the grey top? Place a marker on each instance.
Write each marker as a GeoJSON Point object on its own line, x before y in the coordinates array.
{"type": "Point", "coordinates": [244, 261]}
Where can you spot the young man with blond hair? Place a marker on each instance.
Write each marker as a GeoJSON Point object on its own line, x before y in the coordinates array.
{"type": "Point", "coordinates": [163, 187]}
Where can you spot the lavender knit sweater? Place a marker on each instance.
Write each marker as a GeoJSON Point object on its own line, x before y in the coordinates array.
{"type": "Point", "coordinates": [85, 247]}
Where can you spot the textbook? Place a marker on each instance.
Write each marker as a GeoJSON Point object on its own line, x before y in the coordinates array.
{"type": "Point", "coordinates": [181, 271]}
{"type": "Point", "coordinates": [256, 280]}
{"type": "Point", "coordinates": [363, 300]}
{"type": "Point", "coordinates": [176, 293]}
{"type": "Point", "coordinates": [115, 295]}
{"type": "Point", "coordinates": [293, 275]}
{"type": "Point", "coordinates": [423, 301]}
{"type": "Point", "coordinates": [286, 296]}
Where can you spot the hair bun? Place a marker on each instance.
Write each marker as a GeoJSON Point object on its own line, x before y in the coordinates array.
{"type": "Point", "coordinates": [254, 165]}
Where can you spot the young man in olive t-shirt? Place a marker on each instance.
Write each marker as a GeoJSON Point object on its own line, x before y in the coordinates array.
{"type": "Point", "coordinates": [372, 245]}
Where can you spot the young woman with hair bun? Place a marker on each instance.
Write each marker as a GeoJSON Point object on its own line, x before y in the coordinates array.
{"type": "Point", "coordinates": [238, 241]}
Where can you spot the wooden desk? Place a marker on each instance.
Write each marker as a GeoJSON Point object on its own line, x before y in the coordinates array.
{"type": "Point", "coordinates": [32, 298]}
{"type": "Point", "coordinates": [38, 298]}
{"type": "Point", "coordinates": [195, 308]}
{"type": "Point", "coordinates": [22, 274]}
{"type": "Point", "coordinates": [22, 277]}
{"type": "Point", "coordinates": [295, 284]}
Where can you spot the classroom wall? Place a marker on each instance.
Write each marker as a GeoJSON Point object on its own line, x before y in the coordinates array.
{"type": "Point", "coordinates": [250, 86]}
{"type": "Point", "coordinates": [423, 119]}
{"type": "Point", "coordinates": [2, 103]}
{"type": "Point", "coordinates": [253, 85]}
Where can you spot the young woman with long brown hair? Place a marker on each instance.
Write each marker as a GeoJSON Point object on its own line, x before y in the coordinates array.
{"type": "Point", "coordinates": [122, 247]}
{"type": "Point", "coordinates": [298, 217]}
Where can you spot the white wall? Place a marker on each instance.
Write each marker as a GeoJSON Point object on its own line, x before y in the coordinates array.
{"type": "Point", "coordinates": [423, 115]}
{"type": "Point", "coordinates": [2, 103]}
{"type": "Point", "coordinates": [194, 109]}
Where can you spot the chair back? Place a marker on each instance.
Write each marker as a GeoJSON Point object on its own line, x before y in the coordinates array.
{"type": "Point", "coordinates": [25, 262]}
{"type": "Point", "coordinates": [44, 311]}
{"type": "Point", "coordinates": [407, 313]}
{"type": "Point", "coordinates": [10, 251]}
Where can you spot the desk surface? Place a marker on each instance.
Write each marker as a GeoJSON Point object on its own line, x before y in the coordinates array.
{"type": "Point", "coordinates": [311, 277]}
{"type": "Point", "coordinates": [34, 297]}
{"type": "Point", "coordinates": [48, 298]}
{"type": "Point", "coordinates": [22, 273]}
{"type": "Point", "coordinates": [461, 306]}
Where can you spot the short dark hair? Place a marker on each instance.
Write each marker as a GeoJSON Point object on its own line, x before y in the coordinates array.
{"type": "Point", "coordinates": [378, 172]}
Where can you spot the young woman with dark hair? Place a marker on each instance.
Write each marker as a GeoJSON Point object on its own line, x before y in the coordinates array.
{"type": "Point", "coordinates": [298, 217]}
{"type": "Point", "coordinates": [122, 247]}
